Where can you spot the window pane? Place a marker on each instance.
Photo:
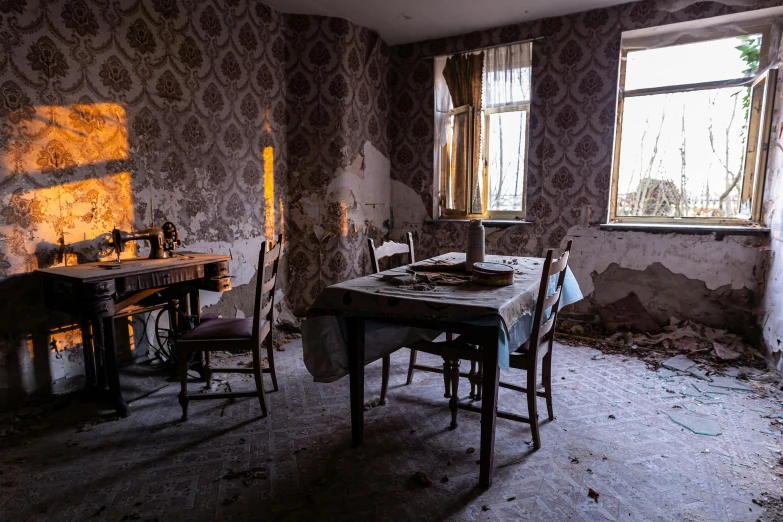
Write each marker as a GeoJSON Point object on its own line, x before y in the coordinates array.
{"type": "Point", "coordinates": [682, 154]}
{"type": "Point", "coordinates": [713, 60]}
{"type": "Point", "coordinates": [506, 159]}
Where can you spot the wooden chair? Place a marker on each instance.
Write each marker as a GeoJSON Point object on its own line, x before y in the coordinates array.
{"type": "Point", "coordinates": [241, 334]}
{"type": "Point", "coordinates": [388, 249]}
{"type": "Point", "coordinates": [536, 351]}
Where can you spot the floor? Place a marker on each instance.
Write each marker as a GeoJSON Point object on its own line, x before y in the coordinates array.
{"type": "Point", "coordinates": [62, 461]}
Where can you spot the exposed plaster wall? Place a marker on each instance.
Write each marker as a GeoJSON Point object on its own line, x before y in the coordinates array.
{"type": "Point", "coordinates": [573, 102]}
{"type": "Point", "coordinates": [771, 319]}
{"type": "Point", "coordinates": [337, 96]}
{"type": "Point", "coordinates": [112, 114]}
{"type": "Point", "coordinates": [731, 261]}
{"type": "Point", "coordinates": [715, 282]}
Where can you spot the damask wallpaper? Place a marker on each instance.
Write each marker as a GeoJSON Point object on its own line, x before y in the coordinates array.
{"type": "Point", "coordinates": [575, 65]}
{"type": "Point", "coordinates": [118, 113]}
{"type": "Point", "coordinates": [338, 107]}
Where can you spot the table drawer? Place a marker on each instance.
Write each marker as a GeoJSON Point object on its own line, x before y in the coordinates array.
{"type": "Point", "coordinates": [160, 278]}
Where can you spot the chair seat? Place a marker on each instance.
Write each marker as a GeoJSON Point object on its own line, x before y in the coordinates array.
{"type": "Point", "coordinates": [223, 328]}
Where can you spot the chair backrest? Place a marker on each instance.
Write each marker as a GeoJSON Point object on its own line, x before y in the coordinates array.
{"type": "Point", "coordinates": [264, 308]}
{"type": "Point", "coordinates": [544, 328]}
{"type": "Point", "coordinates": [388, 249]}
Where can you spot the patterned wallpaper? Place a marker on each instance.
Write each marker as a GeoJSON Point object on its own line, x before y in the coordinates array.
{"type": "Point", "coordinates": [114, 112]}
{"type": "Point", "coordinates": [338, 107]}
{"type": "Point", "coordinates": [111, 114]}
{"type": "Point", "coordinates": [575, 64]}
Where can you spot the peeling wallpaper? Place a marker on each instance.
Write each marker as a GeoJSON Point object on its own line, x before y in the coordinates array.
{"type": "Point", "coordinates": [575, 66]}
{"type": "Point", "coordinates": [338, 110]}
{"type": "Point", "coordinates": [772, 299]}
{"type": "Point", "coordinates": [572, 119]}
{"type": "Point", "coordinates": [112, 114]}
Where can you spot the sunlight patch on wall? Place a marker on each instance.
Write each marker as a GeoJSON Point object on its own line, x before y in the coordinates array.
{"type": "Point", "coordinates": [269, 193]}
{"type": "Point", "coordinates": [67, 219]}
{"type": "Point", "coordinates": [57, 139]}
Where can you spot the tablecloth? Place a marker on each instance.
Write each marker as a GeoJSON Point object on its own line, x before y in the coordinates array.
{"type": "Point", "coordinates": [510, 308]}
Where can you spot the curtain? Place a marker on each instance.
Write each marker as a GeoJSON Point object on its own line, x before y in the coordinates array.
{"type": "Point", "coordinates": [463, 76]}
{"type": "Point", "coordinates": [507, 75]}
{"type": "Point", "coordinates": [442, 107]}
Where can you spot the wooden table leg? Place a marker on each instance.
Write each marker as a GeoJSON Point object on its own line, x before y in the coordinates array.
{"type": "Point", "coordinates": [89, 354]}
{"type": "Point", "coordinates": [356, 369]}
{"type": "Point", "coordinates": [98, 351]}
{"type": "Point", "coordinates": [112, 367]}
{"type": "Point", "coordinates": [489, 410]}
{"type": "Point", "coordinates": [194, 310]}
{"type": "Point", "coordinates": [195, 305]}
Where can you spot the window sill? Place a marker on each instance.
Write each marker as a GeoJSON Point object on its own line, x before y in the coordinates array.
{"type": "Point", "coordinates": [720, 231]}
{"type": "Point", "coordinates": [494, 223]}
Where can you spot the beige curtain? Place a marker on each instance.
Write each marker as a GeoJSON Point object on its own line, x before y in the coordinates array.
{"type": "Point", "coordinates": [463, 74]}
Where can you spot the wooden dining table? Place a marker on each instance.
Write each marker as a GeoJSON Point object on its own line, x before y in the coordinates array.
{"type": "Point", "coordinates": [339, 323]}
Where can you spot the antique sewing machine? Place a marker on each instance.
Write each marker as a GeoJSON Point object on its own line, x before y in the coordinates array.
{"type": "Point", "coordinates": [98, 293]}
{"type": "Point", "coordinates": [163, 240]}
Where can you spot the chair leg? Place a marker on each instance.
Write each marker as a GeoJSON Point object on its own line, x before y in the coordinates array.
{"type": "Point", "coordinates": [446, 379]}
{"type": "Point", "coordinates": [532, 407]}
{"type": "Point", "coordinates": [480, 379]}
{"type": "Point", "coordinates": [546, 377]}
{"type": "Point", "coordinates": [385, 378]}
{"type": "Point", "coordinates": [207, 370]}
{"type": "Point", "coordinates": [472, 377]}
{"type": "Point", "coordinates": [410, 367]}
{"type": "Point", "coordinates": [183, 379]}
{"type": "Point", "coordinates": [258, 375]}
{"type": "Point", "coordinates": [446, 392]}
{"type": "Point", "coordinates": [454, 402]}
{"type": "Point", "coordinates": [270, 357]}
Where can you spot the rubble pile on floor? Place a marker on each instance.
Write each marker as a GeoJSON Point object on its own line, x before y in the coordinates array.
{"type": "Point", "coordinates": [626, 327]}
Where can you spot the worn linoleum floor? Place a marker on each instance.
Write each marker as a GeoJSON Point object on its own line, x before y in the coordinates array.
{"type": "Point", "coordinates": [226, 463]}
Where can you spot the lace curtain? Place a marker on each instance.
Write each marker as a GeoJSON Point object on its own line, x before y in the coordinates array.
{"type": "Point", "coordinates": [507, 75]}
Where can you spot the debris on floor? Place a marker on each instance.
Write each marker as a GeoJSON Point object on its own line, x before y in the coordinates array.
{"type": "Point", "coordinates": [698, 425]}
{"type": "Point", "coordinates": [698, 343]}
{"type": "Point", "coordinates": [679, 363]}
{"type": "Point", "coordinates": [422, 479]}
{"type": "Point", "coordinates": [593, 494]}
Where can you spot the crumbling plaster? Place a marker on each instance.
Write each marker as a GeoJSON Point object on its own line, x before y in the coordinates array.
{"type": "Point", "coordinates": [771, 317]}
{"type": "Point", "coordinates": [731, 261]}
{"type": "Point", "coordinates": [115, 115]}
{"type": "Point", "coordinates": [573, 102]}
{"type": "Point", "coordinates": [337, 105]}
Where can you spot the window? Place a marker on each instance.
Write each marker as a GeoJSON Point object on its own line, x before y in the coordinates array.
{"type": "Point", "coordinates": [481, 145]}
{"type": "Point", "coordinates": [692, 130]}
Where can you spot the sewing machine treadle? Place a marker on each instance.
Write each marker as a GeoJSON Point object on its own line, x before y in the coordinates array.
{"type": "Point", "coordinates": [99, 295]}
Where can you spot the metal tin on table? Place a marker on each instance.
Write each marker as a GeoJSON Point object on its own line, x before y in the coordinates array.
{"type": "Point", "coordinates": [492, 274]}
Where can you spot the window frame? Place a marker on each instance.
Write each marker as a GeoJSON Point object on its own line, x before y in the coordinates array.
{"type": "Point", "coordinates": [504, 214]}
{"type": "Point", "coordinates": [446, 166]}
{"type": "Point", "coordinates": [441, 183]}
{"type": "Point", "coordinates": [759, 126]}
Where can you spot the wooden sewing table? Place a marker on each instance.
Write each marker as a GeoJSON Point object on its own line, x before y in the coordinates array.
{"type": "Point", "coordinates": [98, 295]}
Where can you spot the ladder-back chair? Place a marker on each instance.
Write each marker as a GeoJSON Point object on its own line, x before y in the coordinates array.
{"type": "Point", "coordinates": [537, 351]}
{"type": "Point", "coordinates": [388, 249]}
{"type": "Point", "coordinates": [240, 334]}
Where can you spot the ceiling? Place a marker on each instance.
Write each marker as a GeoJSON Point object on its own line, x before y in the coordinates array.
{"type": "Point", "coordinates": [403, 21]}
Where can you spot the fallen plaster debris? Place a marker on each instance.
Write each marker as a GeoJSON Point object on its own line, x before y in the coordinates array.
{"type": "Point", "coordinates": [680, 363]}
{"type": "Point", "coordinates": [698, 425]}
{"type": "Point", "coordinates": [728, 382]}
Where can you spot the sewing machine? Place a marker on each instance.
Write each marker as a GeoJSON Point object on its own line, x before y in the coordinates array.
{"type": "Point", "coordinates": [163, 240]}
